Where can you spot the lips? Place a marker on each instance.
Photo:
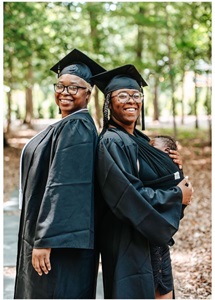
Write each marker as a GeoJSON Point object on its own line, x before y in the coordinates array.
{"type": "Point", "coordinates": [65, 101]}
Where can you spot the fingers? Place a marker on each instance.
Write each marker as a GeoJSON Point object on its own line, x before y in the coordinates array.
{"type": "Point", "coordinates": [36, 265]}
{"type": "Point", "coordinates": [48, 264]}
{"type": "Point", "coordinates": [178, 162]}
{"type": "Point", "coordinates": [41, 260]}
{"type": "Point", "coordinates": [187, 191]}
{"type": "Point", "coordinates": [190, 195]}
{"type": "Point", "coordinates": [174, 154]}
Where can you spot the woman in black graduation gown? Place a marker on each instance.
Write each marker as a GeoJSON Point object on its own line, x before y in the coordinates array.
{"type": "Point", "coordinates": [56, 256]}
{"type": "Point", "coordinates": [134, 214]}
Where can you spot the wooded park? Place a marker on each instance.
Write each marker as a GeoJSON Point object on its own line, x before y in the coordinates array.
{"type": "Point", "coordinates": [170, 43]}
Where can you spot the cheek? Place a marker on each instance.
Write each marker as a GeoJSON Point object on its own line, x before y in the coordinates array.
{"type": "Point", "coordinates": [115, 106]}
{"type": "Point", "coordinates": [56, 98]}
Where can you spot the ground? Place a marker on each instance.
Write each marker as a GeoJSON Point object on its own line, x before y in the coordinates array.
{"type": "Point", "coordinates": [191, 254]}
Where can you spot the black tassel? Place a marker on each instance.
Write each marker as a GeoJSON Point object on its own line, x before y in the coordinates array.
{"type": "Point", "coordinates": [142, 111]}
{"type": "Point", "coordinates": [143, 116]}
{"type": "Point", "coordinates": [59, 111]}
{"type": "Point", "coordinates": [58, 71]}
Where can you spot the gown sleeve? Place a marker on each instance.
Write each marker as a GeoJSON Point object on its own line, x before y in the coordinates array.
{"type": "Point", "coordinates": [154, 213]}
{"type": "Point", "coordinates": [66, 218]}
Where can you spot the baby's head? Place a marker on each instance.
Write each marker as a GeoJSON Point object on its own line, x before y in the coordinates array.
{"type": "Point", "coordinates": [164, 143]}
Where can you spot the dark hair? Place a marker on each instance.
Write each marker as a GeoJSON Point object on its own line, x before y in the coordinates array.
{"type": "Point", "coordinates": [168, 140]}
{"type": "Point", "coordinates": [105, 110]}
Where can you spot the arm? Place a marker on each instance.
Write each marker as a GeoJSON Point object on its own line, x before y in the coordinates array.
{"type": "Point", "coordinates": [130, 201]}
{"type": "Point", "coordinates": [62, 222]}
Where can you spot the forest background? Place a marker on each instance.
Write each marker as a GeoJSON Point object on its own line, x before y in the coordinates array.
{"type": "Point", "coordinates": [170, 43]}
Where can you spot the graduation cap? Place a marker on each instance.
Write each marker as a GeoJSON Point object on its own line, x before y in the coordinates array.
{"type": "Point", "coordinates": [124, 77]}
{"type": "Point", "coordinates": [79, 64]}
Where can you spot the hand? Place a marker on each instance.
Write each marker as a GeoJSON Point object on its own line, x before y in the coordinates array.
{"type": "Point", "coordinates": [187, 191]}
{"type": "Point", "coordinates": [41, 260]}
{"type": "Point", "coordinates": [176, 157]}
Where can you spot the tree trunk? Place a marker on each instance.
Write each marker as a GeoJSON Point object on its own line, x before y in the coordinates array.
{"type": "Point", "coordinates": [171, 75]}
{"type": "Point", "coordinates": [195, 104]}
{"type": "Point", "coordinates": [139, 49]}
{"type": "Point", "coordinates": [208, 109]}
{"type": "Point", "coordinates": [28, 99]}
{"type": "Point", "coordinates": [155, 101]}
{"type": "Point", "coordinates": [9, 99]}
{"type": "Point", "coordinates": [95, 40]}
{"type": "Point", "coordinates": [9, 96]}
{"type": "Point", "coordinates": [97, 109]}
{"type": "Point", "coordinates": [182, 99]}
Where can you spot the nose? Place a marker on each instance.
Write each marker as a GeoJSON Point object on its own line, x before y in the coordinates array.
{"type": "Point", "coordinates": [65, 90]}
{"type": "Point", "coordinates": [130, 99]}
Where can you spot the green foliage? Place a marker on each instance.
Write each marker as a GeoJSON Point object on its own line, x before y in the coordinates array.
{"type": "Point", "coordinates": [37, 34]}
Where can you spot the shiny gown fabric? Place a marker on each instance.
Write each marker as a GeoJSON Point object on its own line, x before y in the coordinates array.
{"type": "Point", "coordinates": [132, 217]}
{"type": "Point", "coordinates": [58, 211]}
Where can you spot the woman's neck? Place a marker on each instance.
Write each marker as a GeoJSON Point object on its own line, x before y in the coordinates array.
{"type": "Point", "coordinates": [128, 127]}
{"type": "Point", "coordinates": [71, 113]}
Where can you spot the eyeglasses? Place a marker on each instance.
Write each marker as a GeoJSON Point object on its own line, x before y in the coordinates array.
{"type": "Point", "coordinates": [71, 89]}
{"type": "Point", "coordinates": [123, 97]}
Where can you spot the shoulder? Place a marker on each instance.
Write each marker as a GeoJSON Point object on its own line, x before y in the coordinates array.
{"type": "Point", "coordinates": [117, 136]}
{"type": "Point", "coordinates": [77, 124]}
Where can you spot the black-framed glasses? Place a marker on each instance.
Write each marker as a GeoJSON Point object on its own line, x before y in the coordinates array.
{"type": "Point", "coordinates": [123, 97]}
{"type": "Point", "coordinates": [71, 89]}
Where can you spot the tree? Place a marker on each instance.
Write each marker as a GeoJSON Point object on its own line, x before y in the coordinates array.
{"type": "Point", "coordinates": [160, 39]}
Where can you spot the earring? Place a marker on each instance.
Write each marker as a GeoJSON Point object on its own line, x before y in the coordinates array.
{"type": "Point", "coordinates": [59, 110]}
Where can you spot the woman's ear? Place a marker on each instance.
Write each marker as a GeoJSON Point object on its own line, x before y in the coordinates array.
{"type": "Point", "coordinates": [88, 96]}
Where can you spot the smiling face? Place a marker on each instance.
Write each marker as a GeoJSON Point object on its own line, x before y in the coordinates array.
{"type": "Point", "coordinates": [70, 103]}
{"type": "Point", "coordinates": [125, 114]}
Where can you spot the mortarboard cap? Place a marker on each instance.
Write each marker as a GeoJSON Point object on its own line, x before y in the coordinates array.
{"type": "Point", "coordinates": [79, 64]}
{"type": "Point", "coordinates": [125, 76]}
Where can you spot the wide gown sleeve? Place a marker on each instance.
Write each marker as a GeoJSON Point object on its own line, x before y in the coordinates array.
{"type": "Point", "coordinates": [66, 214]}
{"type": "Point", "coordinates": [156, 214]}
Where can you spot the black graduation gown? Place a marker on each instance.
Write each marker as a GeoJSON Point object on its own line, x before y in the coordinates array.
{"type": "Point", "coordinates": [57, 175]}
{"type": "Point", "coordinates": [132, 216]}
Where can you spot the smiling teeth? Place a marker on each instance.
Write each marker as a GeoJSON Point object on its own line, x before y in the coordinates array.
{"type": "Point", "coordinates": [130, 109]}
{"type": "Point", "coordinates": [65, 101]}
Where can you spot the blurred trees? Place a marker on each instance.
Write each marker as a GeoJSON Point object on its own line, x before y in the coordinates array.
{"type": "Point", "coordinates": [165, 41]}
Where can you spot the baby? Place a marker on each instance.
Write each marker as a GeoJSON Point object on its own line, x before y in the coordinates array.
{"type": "Point", "coordinates": [164, 143]}
{"type": "Point", "coordinates": [160, 256]}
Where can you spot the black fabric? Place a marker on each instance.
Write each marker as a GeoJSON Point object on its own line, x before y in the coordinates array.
{"type": "Point", "coordinates": [132, 216]}
{"type": "Point", "coordinates": [120, 82]}
{"type": "Point", "coordinates": [159, 161]}
{"type": "Point", "coordinates": [78, 69]}
{"type": "Point", "coordinates": [79, 64]}
{"type": "Point", "coordinates": [126, 77]}
{"type": "Point", "coordinates": [58, 204]}
{"type": "Point", "coordinates": [162, 269]}
{"type": "Point", "coordinates": [161, 164]}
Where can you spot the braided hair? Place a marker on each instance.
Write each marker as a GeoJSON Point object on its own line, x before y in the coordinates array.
{"type": "Point", "coordinates": [105, 110]}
